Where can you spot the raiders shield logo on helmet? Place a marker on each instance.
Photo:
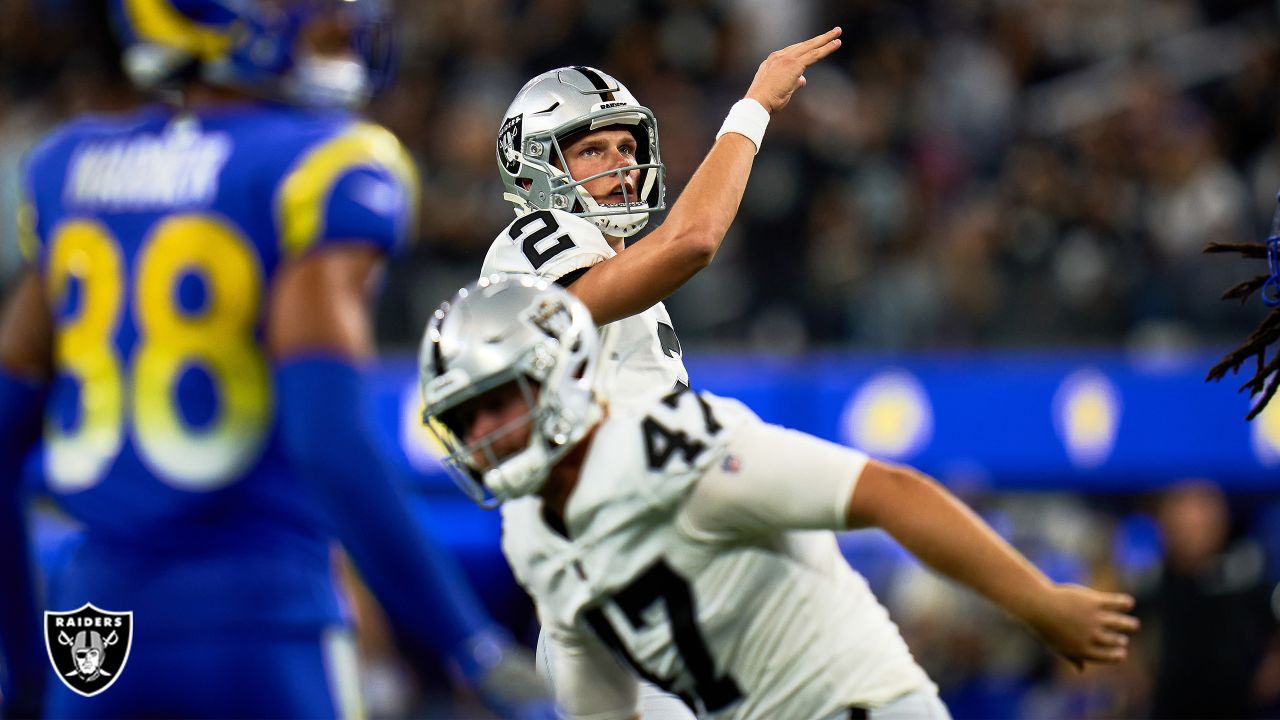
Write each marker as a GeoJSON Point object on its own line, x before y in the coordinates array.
{"type": "Point", "coordinates": [509, 139]}
{"type": "Point", "coordinates": [88, 647]}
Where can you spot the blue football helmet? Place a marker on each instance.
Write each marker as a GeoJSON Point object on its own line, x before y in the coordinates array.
{"type": "Point", "coordinates": [253, 46]}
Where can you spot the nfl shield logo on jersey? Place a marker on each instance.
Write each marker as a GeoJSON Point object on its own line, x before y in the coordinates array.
{"type": "Point", "coordinates": [88, 647]}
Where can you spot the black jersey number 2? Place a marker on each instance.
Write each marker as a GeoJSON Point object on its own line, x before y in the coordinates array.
{"type": "Point", "coordinates": [534, 242]}
{"type": "Point", "coordinates": [662, 584]}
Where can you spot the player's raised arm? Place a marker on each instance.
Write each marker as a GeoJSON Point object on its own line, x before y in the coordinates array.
{"type": "Point", "coordinates": [689, 238]}
{"type": "Point", "coordinates": [1081, 624]}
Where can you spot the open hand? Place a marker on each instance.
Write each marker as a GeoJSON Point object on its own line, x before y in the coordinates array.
{"type": "Point", "coordinates": [1086, 625]}
{"type": "Point", "coordinates": [782, 73]}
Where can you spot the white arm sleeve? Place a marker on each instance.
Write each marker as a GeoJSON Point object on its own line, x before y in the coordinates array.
{"type": "Point", "coordinates": [773, 479]}
{"type": "Point", "coordinates": [589, 682]}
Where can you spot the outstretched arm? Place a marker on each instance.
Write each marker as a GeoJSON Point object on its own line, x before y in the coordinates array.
{"type": "Point", "coordinates": [844, 489]}
{"type": "Point", "coordinates": [25, 359]}
{"type": "Point", "coordinates": [689, 238]}
{"type": "Point", "coordinates": [1082, 624]}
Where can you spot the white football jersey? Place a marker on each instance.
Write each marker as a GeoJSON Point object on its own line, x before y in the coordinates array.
{"type": "Point", "coordinates": [693, 548]}
{"type": "Point", "coordinates": [646, 358]}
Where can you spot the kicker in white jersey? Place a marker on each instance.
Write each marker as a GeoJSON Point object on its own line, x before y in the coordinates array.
{"type": "Point", "coordinates": [669, 561]}
{"type": "Point", "coordinates": [685, 538]}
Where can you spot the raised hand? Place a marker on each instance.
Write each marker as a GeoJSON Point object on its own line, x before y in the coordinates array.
{"type": "Point", "coordinates": [782, 73]}
{"type": "Point", "coordinates": [1085, 625]}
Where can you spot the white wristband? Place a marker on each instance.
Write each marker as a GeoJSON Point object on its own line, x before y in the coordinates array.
{"type": "Point", "coordinates": [747, 118]}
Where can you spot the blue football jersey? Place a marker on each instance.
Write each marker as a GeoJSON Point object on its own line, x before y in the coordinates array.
{"type": "Point", "coordinates": [158, 235]}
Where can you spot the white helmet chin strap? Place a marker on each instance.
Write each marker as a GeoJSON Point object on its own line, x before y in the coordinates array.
{"type": "Point", "coordinates": [525, 472]}
{"type": "Point", "coordinates": [616, 224]}
{"type": "Point", "coordinates": [522, 206]}
{"type": "Point", "coordinates": [519, 475]}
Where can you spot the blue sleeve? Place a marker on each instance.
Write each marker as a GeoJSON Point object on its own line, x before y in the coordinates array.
{"type": "Point", "coordinates": [358, 185]}
{"type": "Point", "coordinates": [369, 204]}
{"type": "Point", "coordinates": [420, 587]}
{"type": "Point", "coordinates": [21, 641]}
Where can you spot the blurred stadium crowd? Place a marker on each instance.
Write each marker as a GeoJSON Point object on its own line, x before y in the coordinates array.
{"type": "Point", "coordinates": [975, 173]}
{"type": "Point", "coordinates": [1204, 583]}
{"type": "Point", "coordinates": [1027, 172]}
{"type": "Point", "coordinates": [998, 172]}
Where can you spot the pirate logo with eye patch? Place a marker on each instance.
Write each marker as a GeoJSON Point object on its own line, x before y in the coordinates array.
{"type": "Point", "coordinates": [88, 647]}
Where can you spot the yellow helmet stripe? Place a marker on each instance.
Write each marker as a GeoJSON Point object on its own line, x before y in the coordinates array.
{"type": "Point", "coordinates": [156, 21]}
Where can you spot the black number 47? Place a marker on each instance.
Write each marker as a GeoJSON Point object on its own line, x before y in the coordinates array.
{"type": "Point", "coordinates": [662, 584]}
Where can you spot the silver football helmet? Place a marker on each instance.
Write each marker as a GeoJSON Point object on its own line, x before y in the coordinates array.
{"type": "Point", "coordinates": [547, 110]}
{"type": "Point", "coordinates": [500, 329]}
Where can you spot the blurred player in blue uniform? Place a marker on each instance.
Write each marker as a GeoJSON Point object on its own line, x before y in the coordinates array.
{"type": "Point", "coordinates": [189, 339]}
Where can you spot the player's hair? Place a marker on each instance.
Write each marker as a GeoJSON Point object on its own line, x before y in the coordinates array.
{"type": "Point", "coordinates": [1266, 379]}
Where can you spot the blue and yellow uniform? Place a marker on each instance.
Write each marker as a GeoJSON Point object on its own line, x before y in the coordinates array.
{"type": "Point", "coordinates": [211, 479]}
{"type": "Point", "coordinates": [158, 236]}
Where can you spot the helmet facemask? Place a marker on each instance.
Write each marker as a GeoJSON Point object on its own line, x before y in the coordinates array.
{"type": "Point", "coordinates": [468, 463]}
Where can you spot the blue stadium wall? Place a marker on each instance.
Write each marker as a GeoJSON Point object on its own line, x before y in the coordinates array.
{"type": "Point", "coordinates": [1089, 422]}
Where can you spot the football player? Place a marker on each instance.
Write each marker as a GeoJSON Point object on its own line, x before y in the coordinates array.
{"type": "Point", "coordinates": [673, 541]}
{"type": "Point", "coordinates": [190, 337]}
{"type": "Point", "coordinates": [579, 158]}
